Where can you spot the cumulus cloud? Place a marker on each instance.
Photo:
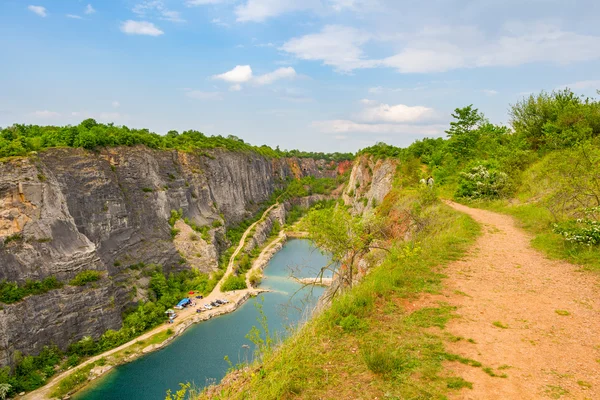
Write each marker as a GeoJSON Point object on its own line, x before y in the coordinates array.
{"type": "Point", "coordinates": [89, 9]}
{"type": "Point", "coordinates": [39, 10]}
{"type": "Point", "coordinates": [243, 74]}
{"type": "Point", "coordinates": [240, 74]}
{"type": "Point", "coordinates": [131, 27]}
{"type": "Point", "coordinates": [281, 73]}
{"type": "Point", "coordinates": [377, 118]}
{"type": "Point", "coordinates": [337, 46]}
{"type": "Point", "coordinates": [399, 113]}
{"type": "Point", "coordinates": [444, 48]}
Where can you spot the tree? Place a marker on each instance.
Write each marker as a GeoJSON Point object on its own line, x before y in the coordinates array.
{"type": "Point", "coordinates": [346, 237]}
{"type": "Point", "coordinates": [464, 132]}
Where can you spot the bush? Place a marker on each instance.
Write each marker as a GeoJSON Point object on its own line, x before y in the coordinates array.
{"type": "Point", "coordinates": [85, 277]}
{"type": "Point", "coordinates": [583, 230]}
{"type": "Point", "coordinates": [255, 278]}
{"type": "Point", "coordinates": [234, 283]}
{"type": "Point", "coordinates": [482, 182]}
{"type": "Point", "coordinates": [10, 292]}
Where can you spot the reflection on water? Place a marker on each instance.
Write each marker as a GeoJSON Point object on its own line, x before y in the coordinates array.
{"type": "Point", "coordinates": [197, 356]}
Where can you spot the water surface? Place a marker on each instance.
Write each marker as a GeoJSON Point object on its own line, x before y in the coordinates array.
{"type": "Point", "coordinates": [197, 356]}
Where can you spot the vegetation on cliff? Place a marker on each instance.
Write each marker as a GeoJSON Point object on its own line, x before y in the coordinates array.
{"type": "Point", "coordinates": [19, 140]}
{"type": "Point", "coordinates": [544, 169]}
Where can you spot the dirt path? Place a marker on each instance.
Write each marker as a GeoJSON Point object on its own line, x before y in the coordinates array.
{"type": "Point", "coordinates": [504, 280]}
{"type": "Point", "coordinates": [231, 265]}
{"type": "Point", "coordinates": [181, 323]}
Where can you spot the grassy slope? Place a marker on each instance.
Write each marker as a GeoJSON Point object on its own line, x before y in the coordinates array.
{"type": "Point", "coordinates": [529, 210]}
{"type": "Point", "coordinates": [367, 345]}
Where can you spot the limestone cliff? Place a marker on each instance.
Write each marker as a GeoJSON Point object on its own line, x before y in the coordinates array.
{"type": "Point", "coordinates": [68, 210]}
{"type": "Point", "coordinates": [370, 181]}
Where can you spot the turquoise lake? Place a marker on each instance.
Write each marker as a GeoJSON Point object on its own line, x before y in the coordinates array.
{"type": "Point", "coordinates": [197, 356]}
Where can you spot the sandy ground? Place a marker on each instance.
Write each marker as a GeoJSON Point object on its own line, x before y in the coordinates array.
{"type": "Point", "coordinates": [504, 280]}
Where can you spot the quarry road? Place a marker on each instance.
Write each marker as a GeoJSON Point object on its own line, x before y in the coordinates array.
{"type": "Point", "coordinates": [536, 319]}
{"type": "Point", "coordinates": [231, 265]}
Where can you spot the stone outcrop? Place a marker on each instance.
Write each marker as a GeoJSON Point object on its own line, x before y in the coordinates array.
{"type": "Point", "coordinates": [68, 210]}
{"type": "Point", "coordinates": [370, 181]}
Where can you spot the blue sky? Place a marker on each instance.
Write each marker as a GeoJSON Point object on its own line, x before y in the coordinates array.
{"type": "Point", "coordinates": [324, 75]}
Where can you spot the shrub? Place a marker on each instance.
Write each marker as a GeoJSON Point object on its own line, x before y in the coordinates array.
{"type": "Point", "coordinates": [582, 230]}
{"type": "Point", "coordinates": [482, 182]}
{"type": "Point", "coordinates": [85, 277]}
{"type": "Point", "coordinates": [147, 190]}
{"type": "Point", "coordinates": [255, 278]}
{"type": "Point", "coordinates": [233, 282]}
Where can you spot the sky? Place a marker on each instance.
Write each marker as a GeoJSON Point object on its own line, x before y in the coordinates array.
{"type": "Point", "coordinates": [316, 75]}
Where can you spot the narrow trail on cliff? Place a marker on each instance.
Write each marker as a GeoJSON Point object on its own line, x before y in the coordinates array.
{"type": "Point", "coordinates": [231, 265]}
{"type": "Point", "coordinates": [181, 323]}
{"type": "Point", "coordinates": [534, 319]}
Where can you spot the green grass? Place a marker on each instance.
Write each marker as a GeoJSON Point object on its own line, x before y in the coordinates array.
{"type": "Point", "coordinates": [358, 344]}
{"type": "Point", "coordinates": [500, 325]}
{"type": "Point", "coordinates": [72, 382]}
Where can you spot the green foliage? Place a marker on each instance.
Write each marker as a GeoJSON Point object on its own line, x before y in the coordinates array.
{"type": "Point", "coordinates": [10, 292]}
{"type": "Point", "coordinates": [233, 282]}
{"type": "Point", "coordinates": [13, 238]}
{"type": "Point", "coordinates": [85, 277]}
{"type": "Point", "coordinates": [18, 140]}
{"type": "Point", "coordinates": [351, 323]}
{"type": "Point", "coordinates": [482, 181]}
{"type": "Point", "coordinates": [582, 230]}
{"type": "Point", "coordinates": [175, 216]}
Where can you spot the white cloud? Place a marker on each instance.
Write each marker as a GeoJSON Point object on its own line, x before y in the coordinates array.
{"type": "Point", "coordinates": [368, 102]}
{"type": "Point", "coordinates": [158, 8]}
{"type": "Point", "coordinates": [581, 85]}
{"type": "Point", "coordinates": [140, 28]}
{"type": "Point", "coordinates": [200, 95]}
{"type": "Point", "coordinates": [281, 73]}
{"type": "Point", "coordinates": [73, 16]}
{"type": "Point", "coordinates": [45, 114]}
{"type": "Point", "coordinates": [376, 90]}
{"type": "Point", "coordinates": [116, 104]}
{"type": "Point", "coordinates": [444, 48]}
{"type": "Point", "coordinates": [399, 113]}
{"type": "Point", "coordinates": [39, 10]}
{"type": "Point", "coordinates": [240, 74]}
{"type": "Point", "coordinates": [243, 74]}
{"type": "Point", "coordinates": [490, 92]}
{"type": "Point", "coordinates": [89, 9]}
{"type": "Point", "coordinates": [335, 45]}
{"type": "Point", "coordinates": [340, 126]}
{"type": "Point", "coordinates": [260, 10]}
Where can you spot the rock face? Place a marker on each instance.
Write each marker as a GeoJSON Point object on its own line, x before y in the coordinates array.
{"type": "Point", "coordinates": [370, 181]}
{"type": "Point", "coordinates": [68, 210]}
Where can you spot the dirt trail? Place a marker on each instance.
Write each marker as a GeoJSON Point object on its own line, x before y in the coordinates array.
{"type": "Point", "coordinates": [504, 280]}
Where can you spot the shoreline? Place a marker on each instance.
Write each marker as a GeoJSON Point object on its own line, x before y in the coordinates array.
{"type": "Point", "coordinates": [188, 317]}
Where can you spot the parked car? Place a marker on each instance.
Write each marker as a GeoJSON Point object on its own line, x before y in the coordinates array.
{"type": "Point", "coordinates": [224, 301]}
{"type": "Point", "coordinates": [208, 307]}
{"type": "Point", "coordinates": [214, 304]}
{"type": "Point", "coordinates": [199, 297]}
